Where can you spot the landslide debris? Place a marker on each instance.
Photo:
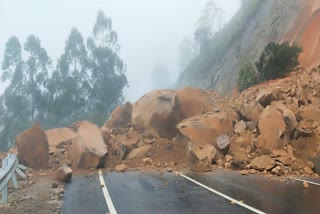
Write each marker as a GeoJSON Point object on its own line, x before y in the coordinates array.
{"type": "Point", "coordinates": [271, 128]}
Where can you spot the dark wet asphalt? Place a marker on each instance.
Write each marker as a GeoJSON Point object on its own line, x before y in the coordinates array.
{"type": "Point", "coordinates": [83, 195]}
{"type": "Point", "coordinates": [152, 192]}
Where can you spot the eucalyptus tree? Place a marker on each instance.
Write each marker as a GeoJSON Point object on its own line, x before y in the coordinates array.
{"type": "Point", "coordinates": [14, 100]}
{"type": "Point", "coordinates": [36, 78]}
{"type": "Point", "coordinates": [69, 85]}
{"type": "Point", "coordinates": [106, 67]}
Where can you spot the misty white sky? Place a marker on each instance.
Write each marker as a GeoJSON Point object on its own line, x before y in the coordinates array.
{"type": "Point", "coordinates": [150, 31]}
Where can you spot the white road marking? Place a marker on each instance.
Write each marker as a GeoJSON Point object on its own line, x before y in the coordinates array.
{"type": "Point", "coordinates": [106, 194]}
{"type": "Point", "coordinates": [222, 195]}
{"type": "Point", "coordinates": [310, 182]}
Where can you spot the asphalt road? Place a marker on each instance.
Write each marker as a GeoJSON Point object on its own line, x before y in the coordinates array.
{"type": "Point", "coordinates": [153, 192]}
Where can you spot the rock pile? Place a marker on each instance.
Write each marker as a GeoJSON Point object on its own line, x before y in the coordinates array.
{"type": "Point", "coordinates": [273, 128]}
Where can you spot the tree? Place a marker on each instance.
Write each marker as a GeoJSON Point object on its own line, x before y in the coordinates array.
{"type": "Point", "coordinates": [209, 22]}
{"type": "Point", "coordinates": [277, 59]}
{"type": "Point", "coordinates": [37, 66]}
{"type": "Point", "coordinates": [247, 76]}
{"type": "Point", "coordinates": [69, 84]}
{"type": "Point", "coordinates": [14, 100]}
{"type": "Point", "coordinates": [107, 68]}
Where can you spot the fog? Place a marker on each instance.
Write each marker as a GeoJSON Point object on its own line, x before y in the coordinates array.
{"type": "Point", "coordinates": [150, 31]}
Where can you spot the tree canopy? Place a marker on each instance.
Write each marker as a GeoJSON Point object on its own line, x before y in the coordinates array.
{"type": "Point", "coordinates": [86, 82]}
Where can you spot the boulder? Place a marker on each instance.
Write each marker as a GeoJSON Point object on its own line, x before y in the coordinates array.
{"type": "Point", "coordinates": [120, 117]}
{"type": "Point", "coordinates": [139, 152]}
{"type": "Point", "coordinates": [272, 129]}
{"type": "Point", "coordinates": [201, 158]}
{"type": "Point", "coordinates": [127, 142]}
{"type": "Point", "coordinates": [251, 110]}
{"type": "Point", "coordinates": [223, 143]}
{"type": "Point", "coordinates": [240, 127]}
{"type": "Point", "coordinates": [288, 116]}
{"type": "Point", "coordinates": [263, 162]}
{"type": "Point", "coordinates": [194, 101]}
{"type": "Point", "coordinates": [158, 111]}
{"type": "Point", "coordinates": [88, 149]}
{"type": "Point", "coordinates": [265, 97]}
{"type": "Point", "coordinates": [64, 173]}
{"type": "Point", "coordinates": [33, 148]}
{"type": "Point", "coordinates": [59, 137]}
{"type": "Point", "coordinates": [204, 129]}
{"type": "Point", "coordinates": [310, 113]}
{"type": "Point", "coordinates": [131, 138]}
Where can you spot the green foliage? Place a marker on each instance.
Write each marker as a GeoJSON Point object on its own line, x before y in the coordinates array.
{"type": "Point", "coordinates": [247, 76]}
{"type": "Point", "coordinates": [107, 68]}
{"type": "Point", "coordinates": [277, 59]}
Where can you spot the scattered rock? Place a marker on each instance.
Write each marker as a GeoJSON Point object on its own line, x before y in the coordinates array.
{"type": "Point", "coordinates": [64, 173]}
{"type": "Point", "coordinates": [262, 162]}
{"type": "Point", "coordinates": [240, 127]}
{"type": "Point", "coordinates": [147, 161]}
{"type": "Point", "coordinates": [308, 170]}
{"type": "Point", "coordinates": [305, 185]}
{"type": "Point", "coordinates": [121, 168]}
{"type": "Point", "coordinates": [223, 143]}
{"type": "Point", "coordinates": [139, 152]}
{"type": "Point", "coordinates": [265, 97]}
{"type": "Point", "coordinates": [200, 159]}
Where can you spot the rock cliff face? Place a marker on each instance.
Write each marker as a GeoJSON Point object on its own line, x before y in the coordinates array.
{"type": "Point", "coordinates": [256, 24]}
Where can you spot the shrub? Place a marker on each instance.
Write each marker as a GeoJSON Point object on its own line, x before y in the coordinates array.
{"type": "Point", "coordinates": [247, 76]}
{"type": "Point", "coordinates": [276, 60]}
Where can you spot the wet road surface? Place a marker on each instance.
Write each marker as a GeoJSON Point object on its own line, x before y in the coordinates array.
{"type": "Point", "coordinates": [153, 192]}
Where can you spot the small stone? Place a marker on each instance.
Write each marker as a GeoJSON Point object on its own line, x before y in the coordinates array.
{"type": "Point", "coordinates": [147, 161]}
{"type": "Point", "coordinates": [308, 170]}
{"type": "Point", "coordinates": [54, 185]}
{"type": "Point", "coordinates": [305, 185]}
{"type": "Point", "coordinates": [64, 173]}
{"type": "Point", "coordinates": [228, 158]}
{"type": "Point", "coordinates": [244, 172]}
{"type": "Point", "coordinates": [121, 168]}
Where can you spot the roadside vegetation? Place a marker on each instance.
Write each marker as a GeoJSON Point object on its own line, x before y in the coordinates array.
{"type": "Point", "coordinates": [275, 61]}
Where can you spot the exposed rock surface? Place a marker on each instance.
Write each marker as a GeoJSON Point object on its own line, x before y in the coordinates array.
{"type": "Point", "coordinates": [88, 149]}
{"type": "Point", "coordinates": [258, 23]}
{"type": "Point", "coordinates": [201, 158]}
{"type": "Point", "coordinates": [33, 148]}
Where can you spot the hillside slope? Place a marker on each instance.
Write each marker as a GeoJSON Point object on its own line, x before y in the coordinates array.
{"type": "Point", "coordinates": [255, 25]}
